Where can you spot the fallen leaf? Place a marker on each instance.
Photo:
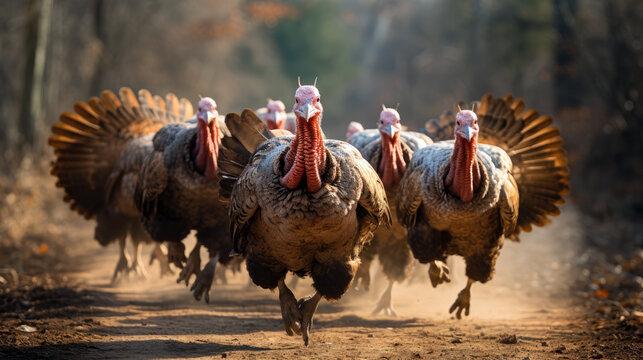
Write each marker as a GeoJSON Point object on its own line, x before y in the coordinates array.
{"type": "Point", "coordinates": [601, 293]}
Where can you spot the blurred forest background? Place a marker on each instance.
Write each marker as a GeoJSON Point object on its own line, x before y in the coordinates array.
{"type": "Point", "coordinates": [579, 60]}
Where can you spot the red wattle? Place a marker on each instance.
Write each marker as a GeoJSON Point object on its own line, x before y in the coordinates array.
{"type": "Point", "coordinates": [392, 165]}
{"type": "Point", "coordinates": [463, 177]}
{"type": "Point", "coordinates": [206, 149]}
{"type": "Point", "coordinates": [306, 157]}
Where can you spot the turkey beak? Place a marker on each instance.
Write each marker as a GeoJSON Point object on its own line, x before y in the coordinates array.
{"type": "Point", "coordinates": [467, 132]}
{"type": "Point", "coordinates": [390, 130]}
{"type": "Point", "coordinates": [307, 111]}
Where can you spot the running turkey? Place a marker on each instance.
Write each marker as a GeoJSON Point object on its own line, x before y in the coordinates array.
{"type": "Point", "coordinates": [505, 172]}
{"type": "Point", "coordinates": [99, 149]}
{"type": "Point", "coordinates": [178, 190]}
{"type": "Point", "coordinates": [388, 149]}
{"type": "Point", "coordinates": [299, 203]}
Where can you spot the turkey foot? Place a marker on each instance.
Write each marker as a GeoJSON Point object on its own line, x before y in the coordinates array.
{"type": "Point", "coordinates": [463, 302]}
{"type": "Point", "coordinates": [363, 277]}
{"type": "Point", "coordinates": [438, 273]}
{"type": "Point", "coordinates": [122, 266]}
{"type": "Point", "coordinates": [204, 280]}
{"type": "Point", "coordinates": [385, 302]}
{"type": "Point", "coordinates": [290, 312]}
{"type": "Point", "coordinates": [160, 253]}
{"type": "Point", "coordinates": [192, 265]}
{"type": "Point", "coordinates": [176, 254]}
{"type": "Point", "coordinates": [137, 263]}
{"type": "Point", "coordinates": [307, 306]}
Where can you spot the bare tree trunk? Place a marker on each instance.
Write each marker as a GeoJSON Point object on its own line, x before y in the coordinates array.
{"type": "Point", "coordinates": [39, 18]}
{"type": "Point", "coordinates": [100, 30]}
{"type": "Point", "coordinates": [568, 89]}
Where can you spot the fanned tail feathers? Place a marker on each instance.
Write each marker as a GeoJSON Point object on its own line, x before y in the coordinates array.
{"type": "Point", "coordinates": [88, 142]}
{"type": "Point", "coordinates": [536, 150]}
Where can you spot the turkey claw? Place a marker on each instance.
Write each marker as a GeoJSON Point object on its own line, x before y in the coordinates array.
{"type": "Point", "coordinates": [203, 282]}
{"type": "Point", "coordinates": [290, 312]}
{"type": "Point", "coordinates": [438, 273]}
{"type": "Point", "coordinates": [160, 253]}
{"type": "Point", "coordinates": [385, 303]}
{"type": "Point", "coordinates": [463, 302]}
{"type": "Point", "coordinates": [192, 267]}
{"type": "Point", "coordinates": [122, 269]}
{"type": "Point", "coordinates": [138, 269]}
{"type": "Point", "coordinates": [307, 307]}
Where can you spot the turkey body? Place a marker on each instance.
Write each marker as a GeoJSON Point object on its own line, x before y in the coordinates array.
{"type": "Point", "coordinates": [319, 234]}
{"type": "Point", "coordinates": [389, 244]}
{"type": "Point", "coordinates": [175, 198]}
{"type": "Point", "coordinates": [448, 226]}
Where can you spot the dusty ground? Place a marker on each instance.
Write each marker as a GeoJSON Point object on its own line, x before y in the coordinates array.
{"type": "Point", "coordinates": [530, 298]}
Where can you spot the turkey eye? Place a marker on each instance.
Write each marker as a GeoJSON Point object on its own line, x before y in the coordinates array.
{"type": "Point", "coordinates": [318, 99]}
{"type": "Point", "coordinates": [297, 101]}
{"type": "Point", "coordinates": [457, 123]}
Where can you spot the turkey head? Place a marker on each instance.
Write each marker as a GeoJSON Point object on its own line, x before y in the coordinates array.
{"type": "Point", "coordinates": [306, 157]}
{"type": "Point", "coordinates": [392, 164]}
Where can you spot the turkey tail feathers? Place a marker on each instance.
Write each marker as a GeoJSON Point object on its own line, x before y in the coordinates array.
{"type": "Point", "coordinates": [88, 142]}
{"type": "Point", "coordinates": [247, 132]}
{"type": "Point", "coordinates": [441, 129]}
{"type": "Point", "coordinates": [536, 150]}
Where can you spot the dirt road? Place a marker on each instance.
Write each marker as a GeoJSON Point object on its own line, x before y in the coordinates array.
{"type": "Point", "coordinates": [530, 298]}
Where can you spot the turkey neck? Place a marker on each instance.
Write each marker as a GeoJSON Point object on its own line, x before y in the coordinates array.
{"type": "Point", "coordinates": [463, 178]}
{"type": "Point", "coordinates": [306, 157]}
{"type": "Point", "coordinates": [276, 125]}
{"type": "Point", "coordinates": [206, 148]}
{"type": "Point", "coordinates": [392, 164]}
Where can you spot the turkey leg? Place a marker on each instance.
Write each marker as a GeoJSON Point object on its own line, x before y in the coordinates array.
{"type": "Point", "coordinates": [385, 302]}
{"type": "Point", "coordinates": [192, 266]}
{"type": "Point", "coordinates": [137, 263]}
{"type": "Point", "coordinates": [293, 282]}
{"type": "Point", "coordinates": [362, 280]}
{"type": "Point", "coordinates": [176, 253]}
{"type": "Point", "coordinates": [204, 280]}
{"type": "Point", "coordinates": [221, 275]}
{"type": "Point", "coordinates": [290, 312]}
{"type": "Point", "coordinates": [438, 273]}
{"type": "Point", "coordinates": [463, 302]}
{"type": "Point", "coordinates": [122, 266]}
{"type": "Point", "coordinates": [307, 306]}
{"type": "Point", "coordinates": [160, 253]}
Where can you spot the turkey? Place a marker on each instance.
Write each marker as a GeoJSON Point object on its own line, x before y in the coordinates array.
{"type": "Point", "coordinates": [276, 117]}
{"type": "Point", "coordinates": [388, 149]}
{"type": "Point", "coordinates": [99, 151]}
{"type": "Point", "coordinates": [505, 172]}
{"type": "Point", "coordinates": [299, 203]}
{"type": "Point", "coordinates": [178, 191]}
{"type": "Point", "coordinates": [353, 128]}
